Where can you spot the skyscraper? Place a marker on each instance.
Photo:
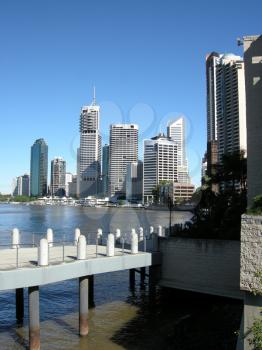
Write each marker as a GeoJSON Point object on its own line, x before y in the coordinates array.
{"type": "Point", "coordinates": [160, 163]}
{"type": "Point", "coordinates": [38, 168]}
{"type": "Point", "coordinates": [226, 109]}
{"type": "Point", "coordinates": [68, 179]}
{"type": "Point", "coordinates": [231, 105]}
{"type": "Point", "coordinates": [105, 169]}
{"type": "Point", "coordinates": [58, 177]}
{"type": "Point", "coordinates": [22, 186]}
{"type": "Point", "coordinates": [89, 157]}
{"type": "Point", "coordinates": [176, 132]}
{"type": "Point", "coordinates": [123, 150]}
{"type": "Point", "coordinates": [212, 60]}
{"type": "Point", "coordinates": [134, 181]}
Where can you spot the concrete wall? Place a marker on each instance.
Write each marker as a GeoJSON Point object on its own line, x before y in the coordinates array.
{"type": "Point", "coordinates": [251, 264]}
{"type": "Point", "coordinates": [205, 266]}
{"type": "Point", "coordinates": [251, 253]}
{"type": "Point", "coordinates": [253, 78]}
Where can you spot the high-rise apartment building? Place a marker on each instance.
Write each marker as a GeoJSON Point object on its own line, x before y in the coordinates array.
{"type": "Point", "coordinates": [123, 150]}
{"type": "Point", "coordinates": [22, 186]}
{"type": "Point", "coordinates": [176, 132]}
{"type": "Point", "coordinates": [231, 105]}
{"type": "Point", "coordinates": [253, 79]}
{"type": "Point", "coordinates": [89, 156]}
{"type": "Point", "coordinates": [134, 181]}
{"type": "Point", "coordinates": [38, 168]}
{"type": "Point", "coordinates": [68, 179]}
{"type": "Point", "coordinates": [58, 177]}
{"type": "Point", "coordinates": [72, 187]}
{"type": "Point", "coordinates": [160, 163]}
{"type": "Point", "coordinates": [226, 108]}
{"type": "Point", "coordinates": [105, 169]}
{"type": "Point", "coordinates": [212, 61]}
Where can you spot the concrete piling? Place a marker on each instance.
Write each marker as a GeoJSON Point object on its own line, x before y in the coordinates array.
{"type": "Point", "coordinates": [81, 248]}
{"type": "Point", "coordinates": [19, 296]}
{"type": "Point", "coordinates": [43, 257]}
{"type": "Point", "coordinates": [110, 247]}
{"type": "Point", "coordinates": [141, 233]}
{"type": "Point", "coordinates": [50, 237]}
{"type": "Point", "coordinates": [15, 238]}
{"type": "Point", "coordinates": [142, 275]}
{"type": "Point", "coordinates": [83, 305]}
{"type": "Point", "coordinates": [77, 234]}
{"type": "Point", "coordinates": [132, 278]}
{"type": "Point", "coordinates": [134, 243]}
{"type": "Point", "coordinates": [118, 233]}
{"type": "Point", "coordinates": [91, 302]}
{"type": "Point", "coordinates": [34, 319]}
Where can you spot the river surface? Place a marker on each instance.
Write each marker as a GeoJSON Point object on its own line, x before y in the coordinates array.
{"type": "Point", "coordinates": [122, 318]}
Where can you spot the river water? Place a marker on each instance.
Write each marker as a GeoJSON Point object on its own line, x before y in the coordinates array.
{"type": "Point", "coordinates": [122, 318]}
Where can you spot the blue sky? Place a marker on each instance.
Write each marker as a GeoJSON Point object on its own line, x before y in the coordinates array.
{"type": "Point", "coordinates": [145, 57]}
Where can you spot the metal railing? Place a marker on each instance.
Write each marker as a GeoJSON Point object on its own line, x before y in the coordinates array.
{"type": "Point", "coordinates": [19, 259]}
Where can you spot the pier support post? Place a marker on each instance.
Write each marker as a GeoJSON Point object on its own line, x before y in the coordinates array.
{"type": "Point", "coordinates": [83, 305]}
{"type": "Point", "coordinates": [154, 277]}
{"type": "Point", "coordinates": [34, 322]}
{"type": "Point", "coordinates": [132, 278]}
{"type": "Point", "coordinates": [142, 275]}
{"type": "Point", "coordinates": [19, 297]}
{"type": "Point", "coordinates": [91, 302]}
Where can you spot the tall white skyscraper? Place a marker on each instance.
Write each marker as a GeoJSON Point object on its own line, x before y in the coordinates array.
{"type": "Point", "coordinates": [123, 150]}
{"type": "Point", "coordinates": [160, 163]}
{"type": "Point", "coordinates": [89, 154]}
{"type": "Point", "coordinates": [226, 104]}
{"type": "Point", "coordinates": [176, 132]}
{"type": "Point", "coordinates": [212, 60]}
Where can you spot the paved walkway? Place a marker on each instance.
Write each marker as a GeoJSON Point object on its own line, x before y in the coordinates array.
{"type": "Point", "coordinates": [27, 257]}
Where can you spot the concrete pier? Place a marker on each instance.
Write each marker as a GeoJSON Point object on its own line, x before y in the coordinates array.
{"type": "Point", "coordinates": [132, 278]}
{"type": "Point", "coordinates": [34, 320]}
{"type": "Point", "coordinates": [19, 297]}
{"type": "Point", "coordinates": [83, 305]}
{"type": "Point", "coordinates": [91, 302]}
{"type": "Point", "coordinates": [142, 275]}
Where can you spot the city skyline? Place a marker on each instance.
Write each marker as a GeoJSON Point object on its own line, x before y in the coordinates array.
{"type": "Point", "coordinates": [144, 74]}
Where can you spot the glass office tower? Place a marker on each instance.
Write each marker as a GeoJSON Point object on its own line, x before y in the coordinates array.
{"type": "Point", "coordinates": [38, 168]}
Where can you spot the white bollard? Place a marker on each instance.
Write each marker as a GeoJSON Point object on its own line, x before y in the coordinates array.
{"type": "Point", "coordinates": [15, 238]}
{"type": "Point", "coordinates": [50, 237]}
{"type": "Point", "coordinates": [134, 243]}
{"type": "Point", "coordinates": [43, 252]}
{"type": "Point", "coordinates": [77, 234]}
{"type": "Point", "coordinates": [81, 248]}
{"type": "Point", "coordinates": [110, 247]}
{"type": "Point", "coordinates": [99, 233]}
{"type": "Point", "coordinates": [151, 230]}
{"type": "Point", "coordinates": [118, 233]}
{"type": "Point", "coordinates": [141, 233]}
{"type": "Point", "coordinates": [159, 231]}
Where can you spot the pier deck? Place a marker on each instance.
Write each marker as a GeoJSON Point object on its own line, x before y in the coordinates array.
{"type": "Point", "coordinates": [63, 265]}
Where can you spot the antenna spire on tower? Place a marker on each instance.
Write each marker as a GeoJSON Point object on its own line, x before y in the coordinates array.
{"type": "Point", "coordinates": [94, 96]}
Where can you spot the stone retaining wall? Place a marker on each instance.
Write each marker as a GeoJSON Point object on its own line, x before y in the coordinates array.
{"type": "Point", "coordinates": [251, 253]}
